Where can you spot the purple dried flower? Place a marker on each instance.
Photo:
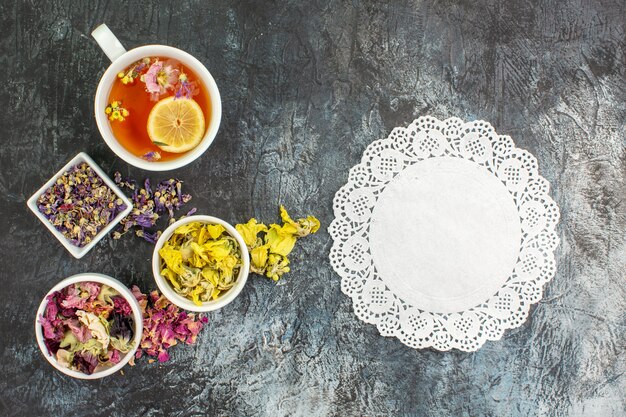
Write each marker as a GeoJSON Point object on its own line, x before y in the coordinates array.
{"type": "Point", "coordinates": [122, 326]}
{"type": "Point", "coordinates": [151, 237]}
{"type": "Point", "coordinates": [185, 88]}
{"type": "Point", "coordinates": [148, 205]}
{"type": "Point", "coordinates": [151, 156]}
{"type": "Point", "coordinates": [146, 219]}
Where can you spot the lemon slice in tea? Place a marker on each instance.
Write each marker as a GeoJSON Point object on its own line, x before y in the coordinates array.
{"type": "Point", "coordinates": [176, 125]}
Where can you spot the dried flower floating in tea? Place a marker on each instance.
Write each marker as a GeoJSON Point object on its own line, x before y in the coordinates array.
{"type": "Point", "coordinates": [151, 156]}
{"type": "Point", "coordinates": [80, 204]}
{"type": "Point", "coordinates": [160, 78]}
{"type": "Point", "coordinates": [164, 325]}
{"type": "Point", "coordinates": [116, 111]}
{"type": "Point", "coordinates": [269, 247]}
{"type": "Point", "coordinates": [149, 205]}
{"type": "Point", "coordinates": [134, 71]}
{"type": "Point", "coordinates": [185, 88]}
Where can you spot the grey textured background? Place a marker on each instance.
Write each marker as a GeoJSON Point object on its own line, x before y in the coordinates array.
{"type": "Point", "coordinates": [306, 86]}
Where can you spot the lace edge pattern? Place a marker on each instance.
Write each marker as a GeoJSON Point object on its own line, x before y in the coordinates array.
{"type": "Point", "coordinates": [350, 255]}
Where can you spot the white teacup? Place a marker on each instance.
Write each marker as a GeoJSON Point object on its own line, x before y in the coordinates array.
{"type": "Point", "coordinates": [121, 59]}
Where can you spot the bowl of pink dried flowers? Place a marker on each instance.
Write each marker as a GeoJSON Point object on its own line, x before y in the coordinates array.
{"type": "Point", "coordinates": [89, 326]}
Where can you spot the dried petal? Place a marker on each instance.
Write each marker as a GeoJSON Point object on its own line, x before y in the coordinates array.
{"type": "Point", "coordinates": [164, 326]}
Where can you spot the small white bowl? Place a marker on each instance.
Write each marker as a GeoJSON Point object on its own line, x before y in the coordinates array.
{"type": "Point", "coordinates": [124, 292]}
{"type": "Point", "coordinates": [183, 302]}
{"type": "Point", "coordinates": [79, 252]}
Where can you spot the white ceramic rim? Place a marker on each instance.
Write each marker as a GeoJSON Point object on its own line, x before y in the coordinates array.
{"type": "Point", "coordinates": [102, 279]}
{"type": "Point", "coordinates": [75, 250]}
{"type": "Point", "coordinates": [183, 302]}
{"type": "Point", "coordinates": [110, 75]}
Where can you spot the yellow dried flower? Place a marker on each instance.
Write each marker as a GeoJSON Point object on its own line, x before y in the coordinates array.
{"type": "Point", "coordinates": [116, 111]}
{"type": "Point", "coordinates": [258, 259]}
{"type": "Point", "coordinates": [249, 231]}
{"type": "Point", "coordinates": [304, 226]}
{"type": "Point", "coordinates": [269, 247]}
{"type": "Point", "coordinates": [277, 266]}
{"type": "Point", "coordinates": [281, 239]}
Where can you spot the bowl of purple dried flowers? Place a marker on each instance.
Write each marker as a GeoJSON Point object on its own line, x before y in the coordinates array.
{"type": "Point", "coordinates": [80, 205]}
{"type": "Point", "coordinates": [89, 326]}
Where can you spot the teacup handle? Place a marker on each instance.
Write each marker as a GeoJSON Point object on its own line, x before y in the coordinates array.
{"type": "Point", "coordinates": [111, 46]}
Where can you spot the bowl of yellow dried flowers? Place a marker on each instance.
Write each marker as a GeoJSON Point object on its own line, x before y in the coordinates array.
{"type": "Point", "coordinates": [200, 263]}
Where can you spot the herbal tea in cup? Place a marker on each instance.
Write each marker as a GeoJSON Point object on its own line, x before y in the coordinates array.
{"type": "Point", "coordinates": [157, 107]}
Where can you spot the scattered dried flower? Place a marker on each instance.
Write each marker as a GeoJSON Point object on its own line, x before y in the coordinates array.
{"type": "Point", "coordinates": [164, 325]}
{"type": "Point", "coordinates": [269, 247]}
{"type": "Point", "coordinates": [149, 206]}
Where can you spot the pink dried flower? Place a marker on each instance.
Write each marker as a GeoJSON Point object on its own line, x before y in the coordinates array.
{"type": "Point", "coordinates": [51, 330]}
{"type": "Point", "coordinates": [72, 298]}
{"type": "Point", "coordinates": [159, 78]}
{"type": "Point", "coordinates": [150, 77]}
{"type": "Point", "coordinates": [93, 288]}
{"type": "Point", "coordinates": [99, 308]}
{"type": "Point", "coordinates": [163, 356]}
{"type": "Point", "coordinates": [121, 306]}
{"type": "Point", "coordinates": [114, 356]}
{"type": "Point", "coordinates": [141, 298]}
{"type": "Point", "coordinates": [81, 332]}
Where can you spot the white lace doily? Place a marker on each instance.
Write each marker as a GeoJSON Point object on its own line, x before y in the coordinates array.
{"type": "Point", "coordinates": [444, 234]}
